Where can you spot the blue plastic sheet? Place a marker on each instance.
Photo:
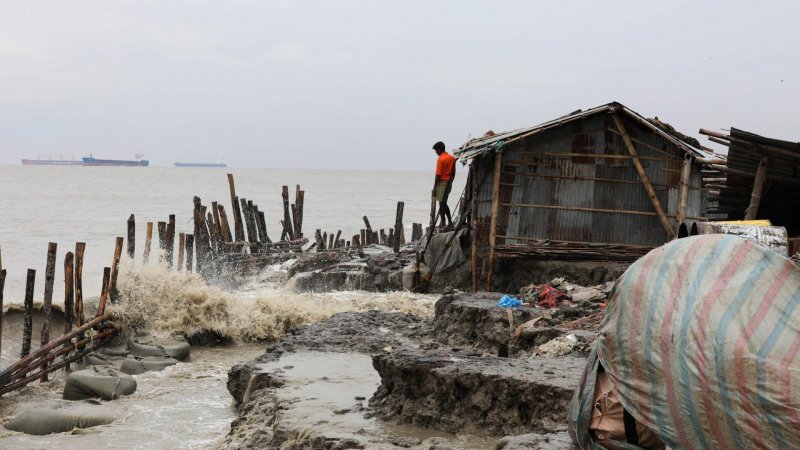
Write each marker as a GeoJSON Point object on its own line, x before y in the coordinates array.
{"type": "Point", "coordinates": [509, 302]}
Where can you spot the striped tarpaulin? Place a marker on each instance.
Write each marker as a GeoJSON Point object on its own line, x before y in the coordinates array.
{"type": "Point", "coordinates": [701, 339]}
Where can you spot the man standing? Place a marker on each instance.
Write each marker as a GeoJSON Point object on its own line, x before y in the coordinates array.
{"type": "Point", "coordinates": [445, 173]}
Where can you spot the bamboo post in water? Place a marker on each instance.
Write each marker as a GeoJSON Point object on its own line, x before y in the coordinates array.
{"type": "Point", "coordinates": [237, 214]}
{"type": "Point", "coordinates": [198, 224]}
{"type": "Point", "coordinates": [226, 229]}
{"type": "Point", "coordinates": [251, 233]}
{"type": "Point", "coordinates": [189, 252]}
{"type": "Point", "coordinates": [398, 227]}
{"type": "Point", "coordinates": [251, 217]}
{"type": "Point", "coordinates": [357, 242]}
{"type": "Point", "coordinates": [299, 201]}
{"type": "Point", "coordinates": [336, 240]}
{"type": "Point", "coordinates": [115, 271]}
{"type": "Point", "coordinates": [170, 241]}
{"type": "Point", "coordinates": [162, 240]}
{"type": "Point", "coordinates": [287, 220]}
{"type": "Point", "coordinates": [69, 292]}
{"type": "Point", "coordinates": [101, 304]}
{"type": "Point", "coordinates": [148, 239]}
{"type": "Point", "coordinates": [47, 304]}
{"type": "Point", "coordinates": [262, 227]}
{"type": "Point", "coordinates": [2, 288]}
{"type": "Point", "coordinates": [80, 247]}
{"type": "Point", "coordinates": [181, 250]}
{"type": "Point", "coordinates": [131, 236]}
{"type": "Point", "coordinates": [27, 321]}
{"type": "Point", "coordinates": [382, 237]}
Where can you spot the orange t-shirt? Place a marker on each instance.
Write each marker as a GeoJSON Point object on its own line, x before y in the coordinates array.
{"type": "Point", "coordinates": [445, 166]}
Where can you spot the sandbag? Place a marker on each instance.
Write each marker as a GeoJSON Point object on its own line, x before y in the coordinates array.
{"type": "Point", "coordinates": [149, 346]}
{"type": "Point", "coordinates": [99, 359]}
{"type": "Point", "coordinates": [99, 381]}
{"type": "Point", "coordinates": [700, 341]}
{"type": "Point", "coordinates": [137, 365]}
{"type": "Point", "coordinates": [121, 350]}
{"type": "Point", "coordinates": [43, 421]}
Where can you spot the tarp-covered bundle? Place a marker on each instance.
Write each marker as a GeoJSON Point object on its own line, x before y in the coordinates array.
{"type": "Point", "coordinates": [701, 341]}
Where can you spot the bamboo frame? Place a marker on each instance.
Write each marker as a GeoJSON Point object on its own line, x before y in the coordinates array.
{"type": "Point", "coordinates": [683, 197]}
{"type": "Point", "coordinates": [643, 175]}
{"type": "Point", "coordinates": [584, 209]}
{"type": "Point", "coordinates": [498, 168]}
{"type": "Point", "coordinates": [563, 177]}
{"type": "Point", "coordinates": [758, 189]}
{"type": "Point", "coordinates": [645, 144]}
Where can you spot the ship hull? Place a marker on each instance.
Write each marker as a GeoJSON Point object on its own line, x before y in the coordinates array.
{"type": "Point", "coordinates": [51, 162]}
{"type": "Point", "coordinates": [180, 164]}
{"type": "Point", "coordinates": [115, 162]}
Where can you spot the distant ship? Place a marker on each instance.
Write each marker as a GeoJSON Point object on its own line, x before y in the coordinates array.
{"type": "Point", "coordinates": [138, 162]}
{"type": "Point", "coordinates": [52, 162]}
{"type": "Point", "coordinates": [216, 164]}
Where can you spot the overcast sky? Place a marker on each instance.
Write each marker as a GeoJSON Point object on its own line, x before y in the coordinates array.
{"type": "Point", "coordinates": [373, 84]}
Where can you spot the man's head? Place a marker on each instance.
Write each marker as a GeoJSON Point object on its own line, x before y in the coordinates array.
{"type": "Point", "coordinates": [439, 147]}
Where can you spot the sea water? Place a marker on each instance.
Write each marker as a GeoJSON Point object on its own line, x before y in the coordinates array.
{"type": "Point", "coordinates": [185, 406]}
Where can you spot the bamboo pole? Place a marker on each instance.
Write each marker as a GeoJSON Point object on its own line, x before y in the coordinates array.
{"type": "Point", "coordinates": [2, 289]}
{"type": "Point", "coordinates": [147, 243]}
{"type": "Point", "coordinates": [113, 293]}
{"type": "Point", "coordinates": [69, 291]}
{"type": "Point", "coordinates": [338, 235]}
{"type": "Point", "coordinates": [262, 228]}
{"type": "Point", "coordinates": [131, 236]}
{"type": "Point", "coordinates": [27, 321]}
{"type": "Point", "coordinates": [251, 212]}
{"type": "Point", "coordinates": [758, 189]}
{"type": "Point", "coordinates": [162, 240]}
{"type": "Point", "coordinates": [498, 168]}
{"type": "Point", "coordinates": [398, 227]}
{"type": "Point", "coordinates": [101, 304]}
{"type": "Point", "coordinates": [651, 193]}
{"type": "Point", "coordinates": [474, 231]}
{"type": "Point", "coordinates": [237, 214]}
{"type": "Point", "coordinates": [357, 241]}
{"type": "Point", "coordinates": [683, 197]}
{"type": "Point", "coordinates": [189, 252]}
{"type": "Point", "coordinates": [199, 248]}
{"type": "Point", "coordinates": [181, 250]}
{"type": "Point", "coordinates": [47, 303]}
{"type": "Point", "coordinates": [293, 208]}
{"type": "Point", "coordinates": [80, 248]}
{"type": "Point", "coordinates": [251, 238]}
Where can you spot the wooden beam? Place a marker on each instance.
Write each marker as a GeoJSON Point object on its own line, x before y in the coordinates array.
{"type": "Point", "coordinates": [498, 169]}
{"type": "Point", "coordinates": [758, 189]}
{"type": "Point", "coordinates": [683, 197]}
{"type": "Point", "coordinates": [584, 209]}
{"type": "Point", "coordinates": [651, 193]}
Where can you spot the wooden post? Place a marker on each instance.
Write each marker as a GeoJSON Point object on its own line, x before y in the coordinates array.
{"type": "Point", "coordinates": [80, 247]}
{"type": "Point", "coordinates": [251, 233]}
{"type": "Point", "coordinates": [330, 242]}
{"type": "Point", "coordinates": [189, 252]}
{"type": "Point", "coordinates": [336, 239]}
{"type": "Point", "coordinates": [115, 271]}
{"type": "Point", "coordinates": [2, 288]}
{"type": "Point", "coordinates": [237, 213]}
{"type": "Point", "coordinates": [181, 250]}
{"type": "Point", "coordinates": [148, 239]}
{"type": "Point", "coordinates": [382, 237]}
{"type": "Point", "coordinates": [251, 213]}
{"type": "Point", "coordinates": [287, 220]}
{"type": "Point", "coordinates": [199, 248]}
{"type": "Point", "coordinates": [683, 197]}
{"type": "Point", "coordinates": [47, 304]}
{"type": "Point", "coordinates": [217, 223]}
{"type": "Point", "coordinates": [27, 321]}
{"type": "Point", "coordinates": [319, 241]}
{"type": "Point", "coordinates": [758, 189]}
{"type": "Point", "coordinates": [299, 201]}
{"type": "Point", "coordinates": [398, 227]}
{"type": "Point", "coordinates": [101, 304]}
{"type": "Point", "coordinates": [368, 232]}
{"type": "Point", "coordinates": [390, 238]}
{"type": "Point", "coordinates": [69, 292]}
{"type": "Point", "coordinates": [223, 223]}
{"type": "Point", "coordinates": [474, 231]}
{"type": "Point", "coordinates": [170, 241]}
{"type": "Point", "coordinates": [162, 240]}
{"type": "Point", "coordinates": [357, 242]}
{"type": "Point", "coordinates": [498, 166]}
{"type": "Point", "coordinates": [131, 236]}
{"type": "Point", "coordinates": [363, 236]}
{"type": "Point", "coordinates": [262, 228]}
{"type": "Point", "coordinates": [651, 193]}
{"type": "Point", "coordinates": [293, 208]}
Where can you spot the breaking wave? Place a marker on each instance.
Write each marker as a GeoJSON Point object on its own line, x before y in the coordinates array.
{"type": "Point", "coordinates": [157, 300]}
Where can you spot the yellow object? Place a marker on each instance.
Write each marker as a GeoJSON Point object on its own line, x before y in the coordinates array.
{"type": "Point", "coordinates": [755, 223]}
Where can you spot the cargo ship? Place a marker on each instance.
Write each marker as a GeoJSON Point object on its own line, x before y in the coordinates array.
{"type": "Point", "coordinates": [138, 162]}
{"type": "Point", "coordinates": [51, 162]}
{"type": "Point", "coordinates": [216, 164]}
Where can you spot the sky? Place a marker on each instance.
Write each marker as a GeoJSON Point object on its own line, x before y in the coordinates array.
{"type": "Point", "coordinates": [371, 85]}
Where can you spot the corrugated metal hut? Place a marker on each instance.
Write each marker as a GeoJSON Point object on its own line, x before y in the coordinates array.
{"type": "Point", "coordinates": [603, 184]}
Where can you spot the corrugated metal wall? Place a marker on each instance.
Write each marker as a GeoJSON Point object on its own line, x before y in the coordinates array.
{"type": "Point", "coordinates": [562, 168]}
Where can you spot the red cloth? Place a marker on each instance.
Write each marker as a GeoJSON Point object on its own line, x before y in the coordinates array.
{"type": "Point", "coordinates": [446, 166]}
